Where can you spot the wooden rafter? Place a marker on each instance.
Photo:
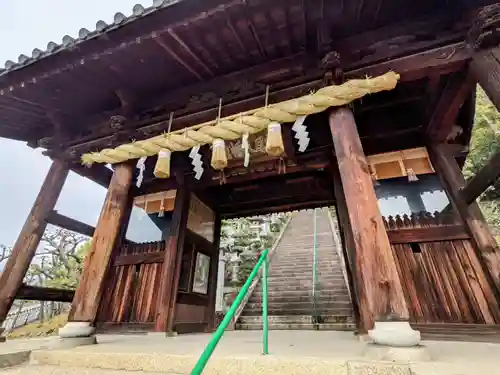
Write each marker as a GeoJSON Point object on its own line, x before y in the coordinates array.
{"type": "Point", "coordinates": [483, 179]}
{"type": "Point", "coordinates": [176, 57]}
{"type": "Point", "coordinates": [178, 39]}
{"type": "Point", "coordinates": [457, 89]}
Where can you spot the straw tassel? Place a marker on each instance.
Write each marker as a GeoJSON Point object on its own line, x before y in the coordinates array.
{"type": "Point", "coordinates": [274, 143]}
{"type": "Point", "coordinates": [219, 156]}
{"type": "Point", "coordinates": [162, 167]}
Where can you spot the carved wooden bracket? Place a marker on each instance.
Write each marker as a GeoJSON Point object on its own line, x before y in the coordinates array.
{"type": "Point", "coordinates": [485, 29]}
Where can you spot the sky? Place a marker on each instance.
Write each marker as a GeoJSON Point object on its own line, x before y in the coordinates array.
{"type": "Point", "coordinates": [25, 25]}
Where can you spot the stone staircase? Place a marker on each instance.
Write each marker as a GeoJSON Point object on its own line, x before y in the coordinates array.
{"type": "Point", "coordinates": [290, 281]}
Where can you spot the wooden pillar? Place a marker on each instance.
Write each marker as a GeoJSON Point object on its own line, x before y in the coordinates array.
{"type": "Point", "coordinates": [106, 236]}
{"type": "Point", "coordinates": [29, 238]}
{"type": "Point", "coordinates": [485, 68]}
{"type": "Point", "coordinates": [213, 275]}
{"type": "Point", "coordinates": [379, 288]}
{"type": "Point", "coordinates": [453, 180]}
{"type": "Point", "coordinates": [348, 245]}
{"type": "Point", "coordinates": [172, 263]}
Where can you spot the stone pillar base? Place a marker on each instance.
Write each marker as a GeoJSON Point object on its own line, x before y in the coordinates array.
{"type": "Point", "coordinates": [75, 334]}
{"type": "Point", "coordinates": [394, 334]}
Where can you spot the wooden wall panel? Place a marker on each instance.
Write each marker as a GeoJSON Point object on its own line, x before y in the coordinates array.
{"type": "Point", "coordinates": [131, 289]}
{"type": "Point", "coordinates": [443, 281]}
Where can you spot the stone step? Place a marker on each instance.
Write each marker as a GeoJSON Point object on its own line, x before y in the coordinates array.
{"type": "Point", "coordinates": [344, 312]}
{"type": "Point", "coordinates": [288, 319]}
{"type": "Point", "coordinates": [298, 326]}
{"type": "Point", "coordinates": [273, 278]}
{"type": "Point", "coordinates": [291, 294]}
{"type": "Point", "coordinates": [341, 299]}
{"type": "Point", "coordinates": [327, 287]}
{"type": "Point", "coordinates": [297, 305]}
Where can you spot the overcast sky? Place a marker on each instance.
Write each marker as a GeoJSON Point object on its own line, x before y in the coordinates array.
{"type": "Point", "coordinates": [25, 25]}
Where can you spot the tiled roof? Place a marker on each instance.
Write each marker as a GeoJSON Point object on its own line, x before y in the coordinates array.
{"type": "Point", "coordinates": [119, 19]}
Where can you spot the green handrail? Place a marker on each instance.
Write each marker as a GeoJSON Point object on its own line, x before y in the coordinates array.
{"type": "Point", "coordinates": [315, 273]}
{"type": "Point", "coordinates": [207, 353]}
{"type": "Point", "coordinates": [265, 321]}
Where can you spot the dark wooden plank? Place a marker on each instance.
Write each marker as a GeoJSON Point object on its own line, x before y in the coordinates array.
{"type": "Point", "coordinates": [458, 88]}
{"type": "Point", "coordinates": [213, 276]}
{"type": "Point", "coordinates": [483, 179]}
{"type": "Point", "coordinates": [68, 223]}
{"type": "Point", "coordinates": [91, 286]}
{"type": "Point", "coordinates": [375, 264]}
{"type": "Point", "coordinates": [430, 234]}
{"type": "Point", "coordinates": [98, 173]}
{"type": "Point", "coordinates": [172, 262]}
{"type": "Point", "coordinates": [485, 66]}
{"type": "Point", "coordinates": [38, 293]}
{"type": "Point", "coordinates": [29, 238]}
{"type": "Point", "coordinates": [141, 258]}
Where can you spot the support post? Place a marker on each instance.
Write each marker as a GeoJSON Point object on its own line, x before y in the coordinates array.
{"type": "Point", "coordinates": [381, 300]}
{"type": "Point", "coordinates": [485, 68]}
{"type": "Point", "coordinates": [172, 263]}
{"type": "Point", "coordinates": [29, 238]}
{"type": "Point", "coordinates": [106, 237]}
{"type": "Point", "coordinates": [213, 277]}
{"type": "Point", "coordinates": [448, 170]}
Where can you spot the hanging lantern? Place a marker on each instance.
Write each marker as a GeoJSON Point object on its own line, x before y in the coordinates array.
{"type": "Point", "coordinates": [162, 167]}
{"type": "Point", "coordinates": [274, 143]}
{"type": "Point", "coordinates": [219, 157]}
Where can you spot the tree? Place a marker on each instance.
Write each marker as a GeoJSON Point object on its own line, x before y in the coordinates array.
{"type": "Point", "coordinates": [485, 142]}
{"type": "Point", "coordinates": [59, 262]}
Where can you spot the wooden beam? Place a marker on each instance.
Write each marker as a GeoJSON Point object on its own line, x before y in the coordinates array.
{"type": "Point", "coordinates": [178, 39]}
{"type": "Point", "coordinates": [293, 206]}
{"type": "Point", "coordinates": [177, 58]}
{"type": "Point", "coordinates": [453, 180]}
{"type": "Point", "coordinates": [414, 65]}
{"type": "Point", "coordinates": [38, 293]}
{"type": "Point", "coordinates": [98, 173]}
{"type": "Point", "coordinates": [88, 294]}
{"type": "Point", "coordinates": [167, 294]}
{"type": "Point", "coordinates": [212, 277]}
{"type": "Point", "coordinates": [141, 258]}
{"type": "Point", "coordinates": [68, 223]}
{"type": "Point", "coordinates": [440, 60]}
{"type": "Point", "coordinates": [458, 88]}
{"type": "Point", "coordinates": [483, 179]}
{"type": "Point", "coordinates": [431, 234]}
{"type": "Point", "coordinates": [381, 296]}
{"type": "Point", "coordinates": [29, 238]}
{"type": "Point", "coordinates": [485, 67]}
